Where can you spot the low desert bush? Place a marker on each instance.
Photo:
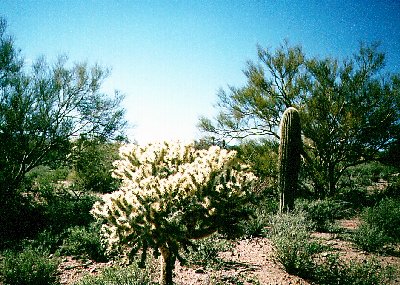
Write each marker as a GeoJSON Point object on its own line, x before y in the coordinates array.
{"type": "Point", "coordinates": [29, 267]}
{"type": "Point", "coordinates": [298, 253]}
{"type": "Point", "coordinates": [255, 226]}
{"type": "Point", "coordinates": [370, 238]}
{"type": "Point", "coordinates": [322, 213]}
{"type": "Point", "coordinates": [380, 226]}
{"type": "Point", "coordinates": [290, 235]}
{"type": "Point", "coordinates": [45, 241]}
{"type": "Point", "coordinates": [333, 271]}
{"type": "Point", "coordinates": [205, 251]}
{"type": "Point", "coordinates": [65, 208]}
{"type": "Point", "coordinates": [117, 275]}
{"type": "Point", "coordinates": [385, 216]}
{"type": "Point", "coordinates": [84, 242]}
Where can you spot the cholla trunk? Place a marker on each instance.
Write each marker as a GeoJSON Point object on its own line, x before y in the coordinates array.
{"type": "Point", "coordinates": [167, 266]}
{"type": "Point", "coordinates": [289, 158]}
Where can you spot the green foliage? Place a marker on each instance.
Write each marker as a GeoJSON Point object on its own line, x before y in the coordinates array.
{"type": "Point", "coordinates": [45, 179]}
{"type": "Point", "coordinates": [48, 204]}
{"type": "Point", "coordinates": [255, 225]}
{"type": "Point", "coordinates": [19, 218]}
{"type": "Point", "coordinates": [333, 271]}
{"type": "Point", "coordinates": [260, 206]}
{"type": "Point", "coordinates": [370, 238]}
{"type": "Point", "coordinates": [262, 155]}
{"type": "Point", "coordinates": [393, 190]}
{"type": "Point", "coordinates": [385, 216]}
{"type": "Point", "coordinates": [41, 109]}
{"type": "Point", "coordinates": [380, 226]}
{"type": "Point", "coordinates": [365, 185]}
{"type": "Point", "coordinates": [392, 155]}
{"type": "Point", "coordinates": [84, 242]}
{"type": "Point", "coordinates": [299, 255]}
{"type": "Point", "coordinates": [205, 251]}
{"type": "Point", "coordinates": [366, 174]}
{"type": "Point", "coordinates": [116, 275]}
{"type": "Point", "coordinates": [62, 205]}
{"type": "Point", "coordinates": [29, 267]}
{"type": "Point", "coordinates": [290, 148]}
{"type": "Point", "coordinates": [356, 197]}
{"type": "Point", "coordinates": [65, 208]}
{"type": "Point", "coordinates": [92, 161]}
{"type": "Point", "coordinates": [349, 112]}
{"type": "Point", "coordinates": [322, 213]}
{"type": "Point", "coordinates": [45, 241]}
{"type": "Point", "coordinates": [290, 235]}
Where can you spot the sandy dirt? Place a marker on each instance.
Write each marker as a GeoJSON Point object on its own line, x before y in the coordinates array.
{"type": "Point", "coordinates": [249, 261]}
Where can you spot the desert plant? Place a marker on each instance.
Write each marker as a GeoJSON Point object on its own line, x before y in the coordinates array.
{"type": "Point", "coordinates": [29, 267]}
{"type": "Point", "coordinates": [370, 238]}
{"type": "Point", "coordinates": [205, 251]}
{"type": "Point", "coordinates": [45, 241]}
{"type": "Point", "coordinates": [84, 242]}
{"type": "Point", "coordinates": [170, 194]}
{"type": "Point", "coordinates": [256, 225]}
{"type": "Point", "coordinates": [64, 208]}
{"type": "Point", "coordinates": [380, 226]}
{"type": "Point", "coordinates": [117, 275]}
{"type": "Point", "coordinates": [334, 271]}
{"type": "Point", "coordinates": [385, 216]}
{"type": "Point", "coordinates": [322, 213]}
{"type": "Point", "coordinates": [92, 163]}
{"type": "Point", "coordinates": [290, 235]}
{"type": "Point", "coordinates": [289, 158]}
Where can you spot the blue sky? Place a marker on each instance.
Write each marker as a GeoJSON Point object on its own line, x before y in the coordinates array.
{"type": "Point", "coordinates": [170, 58]}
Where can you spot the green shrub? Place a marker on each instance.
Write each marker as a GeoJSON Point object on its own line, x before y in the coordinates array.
{"type": "Point", "coordinates": [385, 216]}
{"type": "Point", "coordinates": [333, 271]}
{"type": "Point", "coordinates": [290, 235]}
{"type": "Point", "coordinates": [370, 238]}
{"type": "Point", "coordinates": [65, 208]}
{"type": "Point", "coordinates": [205, 251]}
{"type": "Point", "coordinates": [322, 213]}
{"type": "Point", "coordinates": [19, 218]}
{"type": "Point", "coordinates": [46, 241]}
{"type": "Point", "coordinates": [380, 226]}
{"type": "Point", "coordinates": [256, 224]}
{"type": "Point", "coordinates": [357, 197]}
{"type": "Point", "coordinates": [29, 267]}
{"type": "Point", "coordinates": [84, 242]}
{"type": "Point", "coordinates": [92, 161]}
{"type": "Point", "coordinates": [117, 275]}
{"type": "Point", "coordinates": [393, 190]}
{"type": "Point", "coordinates": [354, 184]}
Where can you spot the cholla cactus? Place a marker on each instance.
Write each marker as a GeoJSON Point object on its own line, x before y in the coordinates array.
{"type": "Point", "coordinates": [171, 193]}
{"type": "Point", "coordinates": [289, 158]}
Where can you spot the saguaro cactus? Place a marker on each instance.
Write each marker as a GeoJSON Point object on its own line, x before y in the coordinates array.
{"type": "Point", "coordinates": [289, 158]}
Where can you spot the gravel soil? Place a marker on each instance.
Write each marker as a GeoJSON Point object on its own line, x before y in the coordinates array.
{"type": "Point", "coordinates": [249, 261]}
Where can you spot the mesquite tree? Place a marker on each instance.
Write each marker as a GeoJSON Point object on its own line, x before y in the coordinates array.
{"type": "Point", "coordinates": [170, 194]}
{"type": "Point", "coordinates": [289, 158]}
{"type": "Point", "coordinates": [350, 109]}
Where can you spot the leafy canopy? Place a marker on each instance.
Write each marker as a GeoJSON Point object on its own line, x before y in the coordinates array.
{"type": "Point", "coordinates": [43, 108]}
{"type": "Point", "coordinates": [350, 109]}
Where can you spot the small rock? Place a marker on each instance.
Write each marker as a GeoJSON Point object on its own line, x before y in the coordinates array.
{"type": "Point", "coordinates": [199, 271]}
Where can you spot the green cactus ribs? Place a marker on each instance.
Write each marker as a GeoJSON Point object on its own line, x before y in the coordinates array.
{"type": "Point", "coordinates": [289, 158]}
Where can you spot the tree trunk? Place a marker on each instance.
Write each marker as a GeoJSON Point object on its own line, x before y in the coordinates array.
{"type": "Point", "coordinates": [167, 266]}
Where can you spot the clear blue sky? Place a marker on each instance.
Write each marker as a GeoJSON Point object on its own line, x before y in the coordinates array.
{"type": "Point", "coordinates": [170, 57]}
